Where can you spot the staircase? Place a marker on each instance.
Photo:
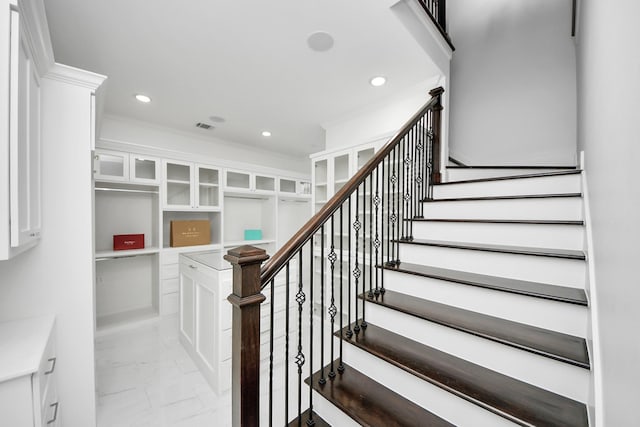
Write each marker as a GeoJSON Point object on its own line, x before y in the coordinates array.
{"type": "Point", "coordinates": [484, 320]}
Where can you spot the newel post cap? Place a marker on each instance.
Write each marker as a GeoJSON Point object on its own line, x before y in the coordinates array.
{"type": "Point", "coordinates": [436, 91]}
{"type": "Point", "coordinates": [246, 254]}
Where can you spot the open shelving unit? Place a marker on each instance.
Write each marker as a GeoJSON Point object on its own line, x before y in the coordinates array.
{"type": "Point", "coordinates": [126, 280]}
{"type": "Point", "coordinates": [139, 194]}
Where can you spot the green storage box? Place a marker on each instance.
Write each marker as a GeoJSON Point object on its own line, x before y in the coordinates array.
{"type": "Point", "coordinates": [252, 234]}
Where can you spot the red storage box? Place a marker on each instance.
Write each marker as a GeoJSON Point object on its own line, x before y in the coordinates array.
{"type": "Point", "coordinates": [123, 242]}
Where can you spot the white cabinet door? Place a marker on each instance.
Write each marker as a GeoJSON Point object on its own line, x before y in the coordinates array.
{"type": "Point", "coordinates": [187, 299]}
{"type": "Point", "coordinates": [144, 169]}
{"type": "Point", "coordinates": [111, 166]}
{"type": "Point", "coordinates": [24, 140]}
{"type": "Point", "coordinates": [207, 325]}
{"type": "Point", "coordinates": [238, 180]}
{"type": "Point", "coordinates": [178, 182]}
{"type": "Point", "coordinates": [264, 184]}
{"type": "Point", "coordinates": [207, 187]}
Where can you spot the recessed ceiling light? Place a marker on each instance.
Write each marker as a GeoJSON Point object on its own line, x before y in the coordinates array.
{"type": "Point", "coordinates": [266, 133]}
{"type": "Point", "coordinates": [378, 81]}
{"type": "Point", "coordinates": [143, 98]}
{"type": "Point", "coordinates": [320, 41]}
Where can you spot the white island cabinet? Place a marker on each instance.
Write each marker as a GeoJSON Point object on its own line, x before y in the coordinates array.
{"type": "Point", "coordinates": [205, 314]}
{"type": "Point", "coordinates": [28, 396]}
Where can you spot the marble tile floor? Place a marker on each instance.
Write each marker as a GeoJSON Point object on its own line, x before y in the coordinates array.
{"type": "Point", "coordinates": [144, 377]}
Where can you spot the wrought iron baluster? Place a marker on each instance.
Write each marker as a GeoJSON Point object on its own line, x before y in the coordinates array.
{"type": "Point", "coordinates": [393, 217]}
{"type": "Point", "coordinates": [322, 379]}
{"type": "Point", "coordinates": [271, 312]}
{"type": "Point", "coordinates": [349, 331]}
{"type": "Point", "coordinates": [310, 421]}
{"type": "Point", "coordinates": [363, 324]}
{"type": "Point", "coordinates": [332, 307]}
{"type": "Point", "coordinates": [286, 344]}
{"type": "Point", "coordinates": [385, 196]}
{"type": "Point", "coordinates": [376, 243]}
{"type": "Point", "coordinates": [357, 225]}
{"type": "Point", "coordinates": [299, 359]}
{"type": "Point", "coordinates": [398, 215]}
{"type": "Point", "coordinates": [371, 219]}
{"type": "Point", "coordinates": [341, 365]}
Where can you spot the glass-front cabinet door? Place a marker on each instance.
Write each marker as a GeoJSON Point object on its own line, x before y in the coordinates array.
{"type": "Point", "coordinates": [237, 180]}
{"type": "Point", "coordinates": [208, 187]}
{"type": "Point", "coordinates": [111, 165]}
{"type": "Point", "coordinates": [144, 169]}
{"type": "Point", "coordinates": [178, 184]}
{"type": "Point", "coordinates": [265, 183]}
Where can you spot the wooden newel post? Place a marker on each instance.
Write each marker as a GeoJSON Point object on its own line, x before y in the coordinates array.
{"type": "Point", "coordinates": [436, 176]}
{"type": "Point", "coordinates": [245, 357]}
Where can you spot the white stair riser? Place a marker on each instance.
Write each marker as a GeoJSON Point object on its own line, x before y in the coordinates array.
{"type": "Point", "coordinates": [446, 405]}
{"type": "Point", "coordinates": [555, 184]}
{"type": "Point", "coordinates": [556, 271]}
{"type": "Point", "coordinates": [553, 315]}
{"type": "Point", "coordinates": [546, 373]}
{"type": "Point", "coordinates": [553, 208]}
{"type": "Point", "coordinates": [532, 235]}
{"type": "Point", "coordinates": [454, 174]}
{"type": "Point", "coordinates": [330, 413]}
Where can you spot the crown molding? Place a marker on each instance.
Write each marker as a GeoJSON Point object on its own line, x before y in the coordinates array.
{"type": "Point", "coordinates": [75, 76]}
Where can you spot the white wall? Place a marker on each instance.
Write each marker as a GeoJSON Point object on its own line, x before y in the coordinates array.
{"type": "Point", "coordinates": [56, 277]}
{"type": "Point", "coordinates": [380, 120]}
{"type": "Point", "coordinates": [608, 129]}
{"type": "Point", "coordinates": [147, 135]}
{"type": "Point", "coordinates": [513, 90]}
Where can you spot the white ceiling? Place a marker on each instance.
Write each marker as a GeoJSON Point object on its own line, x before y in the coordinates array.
{"type": "Point", "coordinates": [246, 61]}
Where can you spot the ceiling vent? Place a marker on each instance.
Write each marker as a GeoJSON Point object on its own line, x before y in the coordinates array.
{"type": "Point", "coordinates": [204, 126]}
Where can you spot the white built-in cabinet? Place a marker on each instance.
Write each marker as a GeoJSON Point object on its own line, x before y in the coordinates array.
{"type": "Point", "coordinates": [245, 181]}
{"type": "Point", "coordinates": [28, 390]}
{"type": "Point", "coordinates": [205, 315]}
{"type": "Point", "coordinates": [142, 194]}
{"type": "Point", "coordinates": [331, 170]}
{"type": "Point", "coordinates": [190, 186]}
{"type": "Point", "coordinates": [20, 143]}
{"type": "Point", "coordinates": [116, 166]}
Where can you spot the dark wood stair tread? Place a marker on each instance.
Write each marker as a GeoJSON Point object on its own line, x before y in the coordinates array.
{"type": "Point", "coordinates": [512, 177]}
{"type": "Point", "coordinates": [552, 344]}
{"type": "Point", "coordinates": [534, 289]}
{"type": "Point", "coordinates": [372, 404]}
{"type": "Point", "coordinates": [302, 420]}
{"type": "Point", "coordinates": [515, 197]}
{"type": "Point", "coordinates": [519, 250]}
{"type": "Point", "coordinates": [500, 221]}
{"type": "Point", "coordinates": [515, 400]}
{"type": "Point", "coordinates": [511, 167]}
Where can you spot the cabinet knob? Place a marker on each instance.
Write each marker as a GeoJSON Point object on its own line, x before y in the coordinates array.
{"type": "Point", "coordinates": [193, 266]}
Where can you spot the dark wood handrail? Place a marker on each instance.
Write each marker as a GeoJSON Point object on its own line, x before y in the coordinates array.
{"type": "Point", "coordinates": [289, 249]}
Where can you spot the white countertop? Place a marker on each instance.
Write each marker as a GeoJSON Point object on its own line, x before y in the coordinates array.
{"type": "Point", "coordinates": [22, 343]}
{"type": "Point", "coordinates": [212, 259]}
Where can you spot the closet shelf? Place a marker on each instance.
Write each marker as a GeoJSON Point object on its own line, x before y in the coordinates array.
{"type": "Point", "coordinates": [104, 255]}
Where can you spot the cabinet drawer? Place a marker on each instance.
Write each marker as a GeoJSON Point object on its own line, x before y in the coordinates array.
{"type": "Point", "coordinates": [169, 271]}
{"type": "Point", "coordinates": [170, 258]}
{"type": "Point", "coordinates": [170, 285]}
{"type": "Point", "coordinates": [170, 303]}
{"type": "Point", "coordinates": [50, 407]}
{"type": "Point", "coordinates": [44, 376]}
